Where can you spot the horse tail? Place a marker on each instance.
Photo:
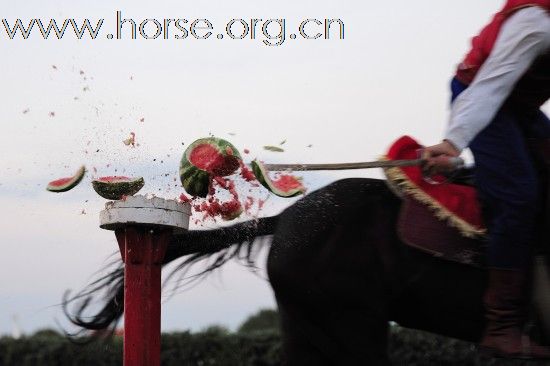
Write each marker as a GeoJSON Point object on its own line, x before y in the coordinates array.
{"type": "Point", "coordinates": [216, 246]}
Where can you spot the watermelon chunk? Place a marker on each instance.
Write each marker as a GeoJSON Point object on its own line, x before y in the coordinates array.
{"type": "Point", "coordinates": [204, 159]}
{"type": "Point", "coordinates": [116, 187]}
{"type": "Point", "coordinates": [213, 208]}
{"type": "Point", "coordinates": [285, 185]}
{"type": "Point", "coordinates": [231, 210]}
{"type": "Point", "coordinates": [66, 184]}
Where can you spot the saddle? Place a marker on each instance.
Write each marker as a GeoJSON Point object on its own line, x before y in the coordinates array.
{"type": "Point", "coordinates": [445, 220]}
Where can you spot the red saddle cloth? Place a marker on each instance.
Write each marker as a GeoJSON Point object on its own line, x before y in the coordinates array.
{"type": "Point", "coordinates": [444, 219]}
{"type": "Point", "coordinates": [456, 205]}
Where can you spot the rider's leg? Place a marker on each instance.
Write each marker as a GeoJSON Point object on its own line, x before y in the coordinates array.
{"type": "Point", "coordinates": [509, 191]}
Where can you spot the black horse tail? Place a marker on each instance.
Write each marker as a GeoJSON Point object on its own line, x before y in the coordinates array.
{"type": "Point", "coordinates": [216, 246]}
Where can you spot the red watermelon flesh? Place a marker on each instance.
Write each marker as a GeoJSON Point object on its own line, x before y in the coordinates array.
{"type": "Point", "coordinates": [114, 179]}
{"type": "Point", "coordinates": [61, 182]}
{"type": "Point", "coordinates": [212, 207]}
{"type": "Point", "coordinates": [287, 182]}
{"type": "Point", "coordinates": [184, 198]}
{"type": "Point", "coordinates": [206, 157]}
{"type": "Point", "coordinates": [231, 210]}
{"type": "Point", "coordinates": [246, 173]}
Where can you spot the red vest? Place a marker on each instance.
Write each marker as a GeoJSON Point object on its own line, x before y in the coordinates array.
{"type": "Point", "coordinates": [482, 45]}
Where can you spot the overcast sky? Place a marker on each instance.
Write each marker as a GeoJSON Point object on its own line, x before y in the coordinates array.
{"type": "Point", "coordinates": [348, 98]}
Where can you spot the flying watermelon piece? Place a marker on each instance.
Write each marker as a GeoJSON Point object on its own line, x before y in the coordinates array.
{"type": "Point", "coordinates": [66, 184]}
{"type": "Point", "coordinates": [204, 159]}
{"type": "Point", "coordinates": [116, 187]}
{"type": "Point", "coordinates": [231, 210]}
{"type": "Point", "coordinates": [285, 185]}
{"type": "Point", "coordinates": [273, 148]}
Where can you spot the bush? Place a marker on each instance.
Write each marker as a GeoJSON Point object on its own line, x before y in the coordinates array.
{"type": "Point", "coordinates": [50, 348]}
{"type": "Point", "coordinates": [214, 346]}
{"type": "Point", "coordinates": [409, 347]}
{"type": "Point", "coordinates": [217, 346]}
{"type": "Point", "coordinates": [265, 320]}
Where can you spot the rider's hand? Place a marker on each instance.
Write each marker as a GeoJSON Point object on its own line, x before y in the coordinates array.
{"type": "Point", "coordinates": [437, 158]}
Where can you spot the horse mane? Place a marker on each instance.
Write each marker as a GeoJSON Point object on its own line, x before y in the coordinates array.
{"type": "Point", "coordinates": [216, 246]}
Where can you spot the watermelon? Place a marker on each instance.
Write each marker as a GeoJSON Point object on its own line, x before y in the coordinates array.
{"type": "Point", "coordinates": [204, 159]}
{"type": "Point", "coordinates": [66, 184]}
{"type": "Point", "coordinates": [285, 185]}
{"type": "Point", "coordinates": [116, 187]}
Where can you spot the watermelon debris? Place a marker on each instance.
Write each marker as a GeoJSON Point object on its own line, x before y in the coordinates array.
{"type": "Point", "coordinates": [273, 148]}
{"type": "Point", "coordinates": [130, 140]}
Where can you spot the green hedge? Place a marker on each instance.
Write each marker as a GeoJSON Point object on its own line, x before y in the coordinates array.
{"type": "Point", "coordinates": [218, 346]}
{"type": "Point", "coordinates": [210, 347]}
{"type": "Point", "coordinates": [415, 348]}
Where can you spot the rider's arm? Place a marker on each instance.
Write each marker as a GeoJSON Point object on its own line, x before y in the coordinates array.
{"type": "Point", "coordinates": [523, 37]}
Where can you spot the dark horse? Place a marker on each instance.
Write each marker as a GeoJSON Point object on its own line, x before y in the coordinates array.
{"type": "Point", "coordinates": [339, 273]}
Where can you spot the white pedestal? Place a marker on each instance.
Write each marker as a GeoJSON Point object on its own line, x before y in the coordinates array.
{"type": "Point", "coordinates": [142, 211]}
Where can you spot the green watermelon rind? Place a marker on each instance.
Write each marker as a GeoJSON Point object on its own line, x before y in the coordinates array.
{"type": "Point", "coordinates": [195, 181]}
{"type": "Point", "coordinates": [261, 174]}
{"type": "Point", "coordinates": [117, 190]}
{"type": "Point", "coordinates": [77, 178]}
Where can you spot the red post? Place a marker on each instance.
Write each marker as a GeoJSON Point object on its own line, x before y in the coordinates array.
{"type": "Point", "coordinates": [142, 250]}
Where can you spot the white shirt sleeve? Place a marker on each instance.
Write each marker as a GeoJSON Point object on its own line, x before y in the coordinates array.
{"type": "Point", "coordinates": [523, 37]}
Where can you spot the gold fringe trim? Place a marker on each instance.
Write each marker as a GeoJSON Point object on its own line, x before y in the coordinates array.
{"type": "Point", "coordinates": [398, 180]}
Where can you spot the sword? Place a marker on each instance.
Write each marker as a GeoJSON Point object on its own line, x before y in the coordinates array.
{"type": "Point", "coordinates": [456, 162]}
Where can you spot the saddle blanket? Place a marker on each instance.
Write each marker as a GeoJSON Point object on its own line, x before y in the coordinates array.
{"type": "Point", "coordinates": [442, 219]}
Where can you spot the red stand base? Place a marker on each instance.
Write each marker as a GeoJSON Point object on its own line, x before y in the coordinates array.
{"type": "Point", "coordinates": [142, 251]}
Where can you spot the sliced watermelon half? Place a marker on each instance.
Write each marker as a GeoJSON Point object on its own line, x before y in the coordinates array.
{"type": "Point", "coordinates": [66, 184]}
{"type": "Point", "coordinates": [285, 185]}
{"type": "Point", "coordinates": [116, 187]}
